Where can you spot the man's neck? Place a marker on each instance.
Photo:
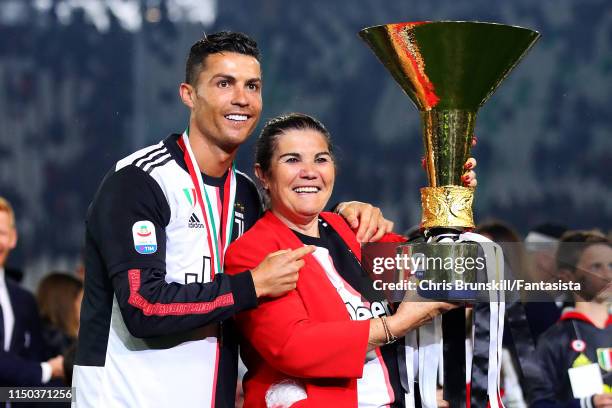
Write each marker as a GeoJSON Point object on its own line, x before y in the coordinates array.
{"type": "Point", "coordinates": [596, 312]}
{"type": "Point", "coordinates": [212, 159]}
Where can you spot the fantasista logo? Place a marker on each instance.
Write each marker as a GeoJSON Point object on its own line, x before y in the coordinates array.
{"type": "Point", "coordinates": [145, 241]}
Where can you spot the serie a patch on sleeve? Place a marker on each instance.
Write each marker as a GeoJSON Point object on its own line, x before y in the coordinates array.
{"type": "Point", "coordinates": [144, 237]}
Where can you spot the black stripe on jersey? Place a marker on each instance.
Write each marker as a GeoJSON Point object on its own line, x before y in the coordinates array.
{"type": "Point", "coordinates": [154, 166]}
{"type": "Point", "coordinates": [194, 218]}
{"type": "Point", "coordinates": [147, 156]}
{"type": "Point", "coordinates": [150, 160]}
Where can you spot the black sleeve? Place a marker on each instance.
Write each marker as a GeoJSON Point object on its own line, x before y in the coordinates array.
{"type": "Point", "coordinates": [552, 404]}
{"type": "Point", "coordinates": [549, 366]}
{"type": "Point", "coordinates": [130, 202]}
{"type": "Point", "coordinates": [549, 357]}
{"type": "Point", "coordinates": [152, 307]}
{"type": "Point", "coordinates": [127, 221]}
{"type": "Point", "coordinates": [17, 371]}
{"type": "Point", "coordinates": [36, 350]}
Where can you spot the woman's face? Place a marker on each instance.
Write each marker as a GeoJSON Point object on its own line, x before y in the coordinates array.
{"type": "Point", "coordinates": [301, 176]}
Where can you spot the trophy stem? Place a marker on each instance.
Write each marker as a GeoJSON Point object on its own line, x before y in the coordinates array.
{"type": "Point", "coordinates": [447, 136]}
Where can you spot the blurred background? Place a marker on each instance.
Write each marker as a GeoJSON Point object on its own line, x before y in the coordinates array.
{"type": "Point", "coordinates": [84, 82]}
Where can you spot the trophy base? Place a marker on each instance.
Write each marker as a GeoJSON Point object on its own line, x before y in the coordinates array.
{"type": "Point", "coordinates": [447, 207]}
{"type": "Point", "coordinates": [444, 270]}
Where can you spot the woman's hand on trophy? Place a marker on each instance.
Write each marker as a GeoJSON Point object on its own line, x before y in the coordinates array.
{"type": "Point", "coordinates": [469, 177]}
{"type": "Point", "coordinates": [410, 315]}
{"type": "Point", "coordinates": [413, 312]}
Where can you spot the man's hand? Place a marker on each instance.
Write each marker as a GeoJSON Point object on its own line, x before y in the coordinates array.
{"type": "Point", "coordinates": [278, 272]}
{"type": "Point", "coordinates": [602, 401]}
{"type": "Point", "coordinates": [366, 219]}
{"type": "Point", "coordinates": [57, 366]}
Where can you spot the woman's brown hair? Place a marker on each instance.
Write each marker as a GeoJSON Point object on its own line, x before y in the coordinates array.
{"type": "Point", "coordinates": [56, 297]}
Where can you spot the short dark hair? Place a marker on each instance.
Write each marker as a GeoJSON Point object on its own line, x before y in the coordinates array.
{"type": "Point", "coordinates": [268, 138]}
{"type": "Point", "coordinates": [510, 242]}
{"type": "Point", "coordinates": [498, 230]}
{"type": "Point", "coordinates": [573, 243]}
{"type": "Point", "coordinates": [223, 41]}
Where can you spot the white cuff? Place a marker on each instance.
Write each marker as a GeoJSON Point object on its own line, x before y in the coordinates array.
{"type": "Point", "coordinates": [46, 372]}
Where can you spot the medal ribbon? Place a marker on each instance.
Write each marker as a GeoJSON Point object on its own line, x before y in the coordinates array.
{"type": "Point", "coordinates": [216, 249]}
{"type": "Point", "coordinates": [494, 259]}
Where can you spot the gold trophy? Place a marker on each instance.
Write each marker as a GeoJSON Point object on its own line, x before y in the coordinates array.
{"type": "Point", "coordinates": [449, 69]}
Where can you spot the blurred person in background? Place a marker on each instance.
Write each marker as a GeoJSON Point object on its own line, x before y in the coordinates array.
{"type": "Point", "coordinates": [79, 270]}
{"type": "Point", "coordinates": [514, 256]}
{"type": "Point", "coordinates": [21, 348]}
{"type": "Point", "coordinates": [527, 315]}
{"type": "Point", "coordinates": [510, 241]}
{"type": "Point", "coordinates": [10, 271]}
{"type": "Point", "coordinates": [59, 298]}
{"type": "Point", "coordinates": [541, 314]}
{"type": "Point", "coordinates": [579, 345]}
{"type": "Point", "coordinates": [541, 246]}
{"type": "Point", "coordinates": [69, 356]}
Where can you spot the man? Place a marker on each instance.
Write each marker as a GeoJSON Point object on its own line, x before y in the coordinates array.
{"type": "Point", "coordinates": [541, 245]}
{"type": "Point", "coordinates": [20, 340]}
{"type": "Point", "coordinates": [154, 328]}
{"type": "Point", "coordinates": [583, 336]}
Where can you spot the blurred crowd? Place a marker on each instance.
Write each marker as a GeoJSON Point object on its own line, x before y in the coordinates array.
{"type": "Point", "coordinates": [38, 331]}
{"type": "Point", "coordinates": [569, 332]}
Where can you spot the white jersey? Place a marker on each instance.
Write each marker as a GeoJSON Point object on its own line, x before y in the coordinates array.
{"type": "Point", "coordinates": [150, 322]}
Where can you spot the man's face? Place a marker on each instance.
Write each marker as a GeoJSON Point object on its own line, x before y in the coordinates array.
{"type": "Point", "coordinates": [226, 101]}
{"type": "Point", "coordinates": [8, 236]}
{"type": "Point", "coordinates": [594, 272]}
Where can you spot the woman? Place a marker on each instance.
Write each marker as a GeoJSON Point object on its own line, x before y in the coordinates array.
{"type": "Point", "coordinates": [59, 301]}
{"type": "Point", "coordinates": [327, 343]}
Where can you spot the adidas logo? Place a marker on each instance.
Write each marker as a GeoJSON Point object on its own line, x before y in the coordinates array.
{"type": "Point", "coordinates": [194, 222]}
